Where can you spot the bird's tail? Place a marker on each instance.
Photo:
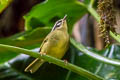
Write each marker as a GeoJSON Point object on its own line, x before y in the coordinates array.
{"type": "Point", "coordinates": [34, 66]}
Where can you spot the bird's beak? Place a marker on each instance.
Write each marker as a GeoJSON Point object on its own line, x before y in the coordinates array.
{"type": "Point", "coordinates": [64, 17]}
{"type": "Point", "coordinates": [64, 23]}
{"type": "Point", "coordinates": [64, 20]}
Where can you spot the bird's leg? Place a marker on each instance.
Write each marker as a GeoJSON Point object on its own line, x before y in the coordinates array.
{"type": "Point", "coordinates": [41, 53]}
{"type": "Point", "coordinates": [65, 61]}
{"type": "Point", "coordinates": [44, 53]}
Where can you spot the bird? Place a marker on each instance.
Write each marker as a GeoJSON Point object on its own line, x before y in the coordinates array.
{"type": "Point", "coordinates": [55, 44]}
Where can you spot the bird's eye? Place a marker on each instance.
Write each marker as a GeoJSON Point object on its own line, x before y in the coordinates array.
{"type": "Point", "coordinates": [58, 23]}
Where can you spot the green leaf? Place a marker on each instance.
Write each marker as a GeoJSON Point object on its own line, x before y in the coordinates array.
{"type": "Point", "coordinates": [51, 10]}
{"type": "Point", "coordinates": [47, 72]}
{"type": "Point", "coordinates": [28, 39]}
{"type": "Point", "coordinates": [109, 72]}
{"type": "Point", "coordinates": [94, 55]}
{"type": "Point", "coordinates": [4, 4]}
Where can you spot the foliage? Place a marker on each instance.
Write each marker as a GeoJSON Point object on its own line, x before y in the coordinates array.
{"type": "Point", "coordinates": [4, 4]}
{"type": "Point", "coordinates": [37, 23]}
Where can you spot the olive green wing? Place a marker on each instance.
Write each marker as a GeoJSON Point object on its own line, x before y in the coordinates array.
{"type": "Point", "coordinates": [44, 41]}
{"type": "Point", "coordinates": [34, 65]}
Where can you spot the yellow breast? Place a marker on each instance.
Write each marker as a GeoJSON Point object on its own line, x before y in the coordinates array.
{"type": "Point", "coordinates": [56, 46]}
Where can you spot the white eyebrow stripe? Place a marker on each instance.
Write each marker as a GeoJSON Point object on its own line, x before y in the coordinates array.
{"type": "Point", "coordinates": [58, 23]}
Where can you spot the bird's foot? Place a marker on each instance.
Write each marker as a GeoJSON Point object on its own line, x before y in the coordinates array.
{"type": "Point", "coordinates": [65, 61]}
{"type": "Point", "coordinates": [42, 53]}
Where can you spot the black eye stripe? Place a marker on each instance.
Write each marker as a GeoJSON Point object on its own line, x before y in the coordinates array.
{"type": "Point", "coordinates": [57, 24]}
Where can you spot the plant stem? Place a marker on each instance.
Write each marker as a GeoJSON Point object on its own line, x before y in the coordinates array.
{"type": "Point", "coordinates": [94, 13]}
{"type": "Point", "coordinates": [91, 3]}
{"type": "Point", "coordinates": [116, 37]}
{"type": "Point", "coordinates": [71, 61]}
{"type": "Point", "coordinates": [90, 9]}
{"type": "Point", "coordinates": [95, 55]}
{"type": "Point", "coordinates": [54, 60]}
{"type": "Point", "coordinates": [97, 17]}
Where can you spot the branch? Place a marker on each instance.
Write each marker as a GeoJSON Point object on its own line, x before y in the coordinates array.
{"type": "Point", "coordinates": [54, 60]}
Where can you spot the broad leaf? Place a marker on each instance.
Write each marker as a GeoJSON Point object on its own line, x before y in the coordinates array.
{"type": "Point", "coordinates": [53, 72]}
{"type": "Point", "coordinates": [50, 11]}
{"type": "Point", "coordinates": [29, 40]}
{"type": "Point", "coordinates": [4, 4]}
